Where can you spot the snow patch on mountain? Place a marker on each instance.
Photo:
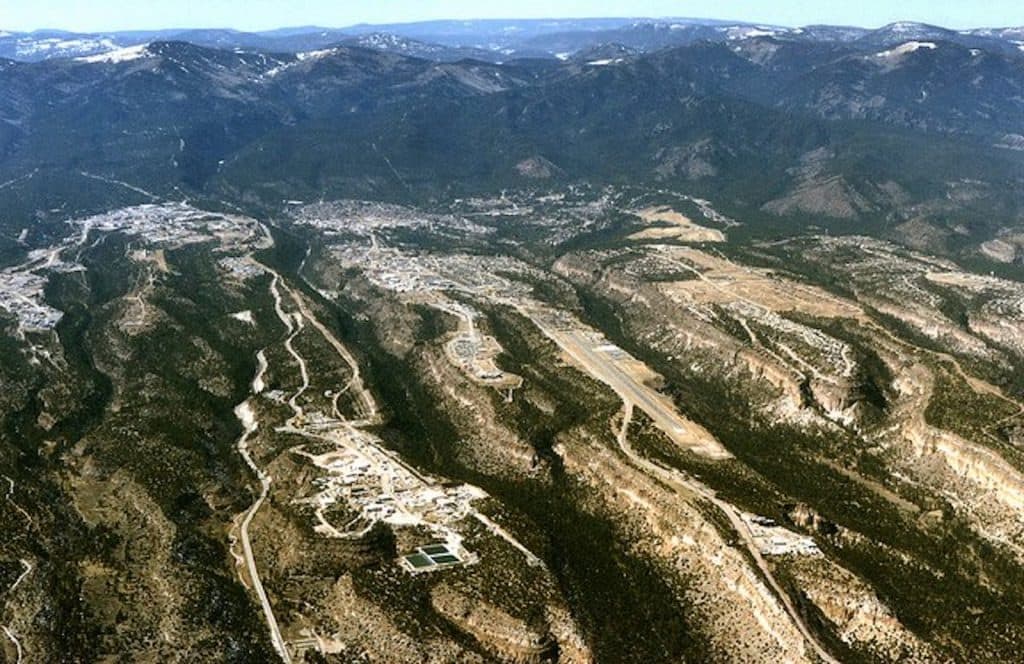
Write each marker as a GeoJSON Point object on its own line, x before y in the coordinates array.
{"type": "Point", "coordinates": [905, 27]}
{"type": "Point", "coordinates": [909, 47]}
{"type": "Point", "coordinates": [385, 41]}
{"type": "Point", "coordinates": [55, 47]}
{"type": "Point", "coordinates": [750, 32]}
{"type": "Point", "coordinates": [126, 54]}
{"type": "Point", "coordinates": [316, 55]}
{"type": "Point", "coordinates": [301, 57]}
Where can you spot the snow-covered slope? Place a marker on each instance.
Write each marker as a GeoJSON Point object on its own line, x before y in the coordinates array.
{"type": "Point", "coordinates": [34, 47]}
{"type": "Point", "coordinates": [125, 54]}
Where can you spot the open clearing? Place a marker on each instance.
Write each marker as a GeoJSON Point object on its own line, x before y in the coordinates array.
{"type": "Point", "coordinates": [680, 227]}
{"type": "Point", "coordinates": [720, 281]}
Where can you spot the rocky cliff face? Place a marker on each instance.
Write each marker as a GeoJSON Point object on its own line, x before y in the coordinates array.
{"type": "Point", "coordinates": [367, 632]}
{"type": "Point", "coordinates": [837, 397]}
{"type": "Point", "coordinates": [989, 490]}
{"type": "Point", "coordinates": [860, 617]}
{"type": "Point", "coordinates": [742, 618]}
{"type": "Point", "coordinates": [511, 639]}
{"type": "Point", "coordinates": [1002, 327]}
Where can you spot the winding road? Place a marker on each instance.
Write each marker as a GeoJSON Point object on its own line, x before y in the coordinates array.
{"type": "Point", "coordinates": [7, 630]}
{"type": "Point", "coordinates": [16, 642]}
{"type": "Point", "coordinates": [26, 565]}
{"type": "Point", "coordinates": [294, 324]}
{"type": "Point", "coordinates": [247, 417]}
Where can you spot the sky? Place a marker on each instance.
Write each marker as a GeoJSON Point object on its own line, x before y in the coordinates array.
{"type": "Point", "coordinates": [107, 15]}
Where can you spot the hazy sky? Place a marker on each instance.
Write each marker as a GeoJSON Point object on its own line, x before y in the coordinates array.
{"type": "Point", "coordinates": [97, 15]}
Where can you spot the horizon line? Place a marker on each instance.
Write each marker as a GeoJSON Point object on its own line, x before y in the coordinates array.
{"type": "Point", "coordinates": [13, 31]}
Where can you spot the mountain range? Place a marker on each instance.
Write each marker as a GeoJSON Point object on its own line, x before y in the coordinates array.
{"type": "Point", "coordinates": [499, 39]}
{"type": "Point", "coordinates": [831, 126]}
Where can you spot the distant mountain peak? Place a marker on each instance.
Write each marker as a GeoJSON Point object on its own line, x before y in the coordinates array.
{"type": "Point", "coordinates": [907, 30]}
{"type": "Point", "coordinates": [907, 26]}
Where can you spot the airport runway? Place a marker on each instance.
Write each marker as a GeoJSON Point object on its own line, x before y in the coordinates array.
{"type": "Point", "coordinates": [606, 369]}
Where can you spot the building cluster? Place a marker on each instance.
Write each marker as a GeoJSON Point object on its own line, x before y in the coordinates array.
{"type": "Point", "coordinates": [364, 218]}
{"type": "Point", "coordinates": [171, 224]}
{"type": "Point", "coordinates": [404, 272]}
{"type": "Point", "coordinates": [551, 219]}
{"type": "Point", "coordinates": [774, 540]}
{"type": "Point", "coordinates": [472, 351]}
{"type": "Point", "coordinates": [816, 351]}
{"type": "Point", "coordinates": [475, 356]}
{"type": "Point", "coordinates": [240, 267]}
{"type": "Point", "coordinates": [22, 288]}
{"type": "Point", "coordinates": [377, 486]}
{"type": "Point", "coordinates": [21, 294]}
{"type": "Point", "coordinates": [559, 320]}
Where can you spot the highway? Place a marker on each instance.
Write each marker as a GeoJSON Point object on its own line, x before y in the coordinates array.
{"type": "Point", "coordinates": [7, 630]}
{"type": "Point", "coordinates": [368, 405]}
{"type": "Point", "coordinates": [10, 499]}
{"type": "Point", "coordinates": [532, 559]}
